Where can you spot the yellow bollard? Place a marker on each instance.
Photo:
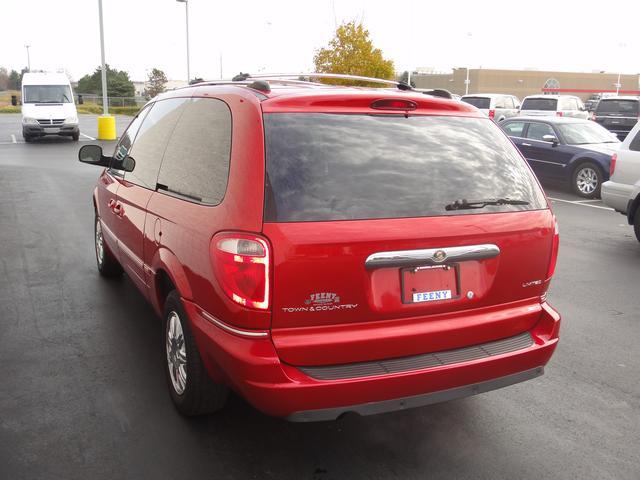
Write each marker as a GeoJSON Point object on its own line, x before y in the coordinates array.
{"type": "Point", "coordinates": [106, 127]}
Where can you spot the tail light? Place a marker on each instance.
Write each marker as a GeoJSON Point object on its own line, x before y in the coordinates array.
{"type": "Point", "coordinates": [612, 165]}
{"type": "Point", "coordinates": [554, 249]}
{"type": "Point", "coordinates": [593, 116]}
{"type": "Point", "coordinates": [394, 104]}
{"type": "Point", "coordinates": [241, 263]}
{"type": "Point", "coordinates": [559, 114]}
{"type": "Point", "coordinates": [492, 114]}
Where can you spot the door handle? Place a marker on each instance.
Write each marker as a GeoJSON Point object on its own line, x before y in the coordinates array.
{"type": "Point", "coordinates": [526, 144]}
{"type": "Point", "coordinates": [111, 203]}
{"type": "Point", "coordinates": [118, 210]}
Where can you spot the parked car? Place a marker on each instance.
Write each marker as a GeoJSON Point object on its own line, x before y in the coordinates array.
{"type": "Point", "coordinates": [554, 105]}
{"type": "Point", "coordinates": [48, 107]}
{"type": "Point", "coordinates": [622, 191]}
{"type": "Point", "coordinates": [618, 114]}
{"type": "Point", "coordinates": [594, 99]}
{"type": "Point", "coordinates": [568, 149]}
{"type": "Point", "coordinates": [496, 106]}
{"type": "Point", "coordinates": [323, 250]}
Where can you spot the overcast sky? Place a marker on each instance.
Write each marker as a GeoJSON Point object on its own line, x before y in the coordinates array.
{"type": "Point", "coordinates": [281, 36]}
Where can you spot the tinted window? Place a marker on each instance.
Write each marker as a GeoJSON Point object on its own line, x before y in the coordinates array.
{"type": "Point", "coordinates": [514, 129]}
{"type": "Point", "coordinates": [196, 162]}
{"type": "Point", "coordinates": [478, 102]}
{"type": "Point", "coordinates": [539, 104]}
{"type": "Point", "coordinates": [123, 147]}
{"type": "Point", "coordinates": [619, 107]}
{"type": "Point", "coordinates": [342, 167]}
{"type": "Point", "coordinates": [635, 143]}
{"type": "Point", "coordinates": [47, 94]}
{"type": "Point", "coordinates": [151, 141]}
{"type": "Point", "coordinates": [537, 130]}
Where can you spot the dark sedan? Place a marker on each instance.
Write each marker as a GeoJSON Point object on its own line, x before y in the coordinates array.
{"type": "Point", "coordinates": [570, 149]}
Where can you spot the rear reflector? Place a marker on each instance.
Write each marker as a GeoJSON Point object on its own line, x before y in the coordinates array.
{"type": "Point", "coordinates": [612, 165]}
{"type": "Point", "coordinates": [394, 104]}
{"type": "Point", "coordinates": [241, 265]}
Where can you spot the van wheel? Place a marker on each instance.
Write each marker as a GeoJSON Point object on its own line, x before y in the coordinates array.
{"type": "Point", "coordinates": [587, 180]}
{"type": "Point", "coordinates": [27, 138]}
{"type": "Point", "coordinates": [636, 224]}
{"type": "Point", "coordinates": [108, 265]}
{"type": "Point", "coordinates": [192, 390]}
{"type": "Point", "coordinates": [75, 137]}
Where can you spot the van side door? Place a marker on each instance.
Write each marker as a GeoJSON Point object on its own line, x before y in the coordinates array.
{"type": "Point", "coordinates": [138, 185]}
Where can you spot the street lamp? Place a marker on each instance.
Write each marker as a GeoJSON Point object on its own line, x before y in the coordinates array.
{"type": "Point", "coordinates": [106, 122]}
{"type": "Point", "coordinates": [186, 11]}
{"type": "Point", "coordinates": [28, 58]}
{"type": "Point", "coordinates": [467, 82]}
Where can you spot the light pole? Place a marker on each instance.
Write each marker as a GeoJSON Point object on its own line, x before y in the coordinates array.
{"type": "Point", "coordinates": [186, 12]}
{"type": "Point", "coordinates": [28, 58]}
{"type": "Point", "coordinates": [106, 122]}
{"type": "Point", "coordinates": [467, 82]}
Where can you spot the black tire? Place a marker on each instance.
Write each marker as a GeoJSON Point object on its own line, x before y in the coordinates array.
{"type": "Point", "coordinates": [636, 223]}
{"type": "Point", "coordinates": [75, 137]}
{"type": "Point", "coordinates": [108, 265]}
{"type": "Point", "coordinates": [27, 138]}
{"type": "Point", "coordinates": [586, 180]}
{"type": "Point", "coordinates": [200, 394]}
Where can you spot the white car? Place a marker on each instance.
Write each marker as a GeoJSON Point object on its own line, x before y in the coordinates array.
{"type": "Point", "coordinates": [496, 106]}
{"type": "Point", "coordinates": [558, 105]}
{"type": "Point", "coordinates": [48, 107]}
{"type": "Point", "coordinates": [622, 191]}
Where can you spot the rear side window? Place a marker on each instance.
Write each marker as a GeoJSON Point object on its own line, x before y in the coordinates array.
{"type": "Point", "coordinates": [478, 102]}
{"type": "Point", "coordinates": [514, 129]}
{"type": "Point", "coordinates": [540, 104]}
{"type": "Point", "coordinates": [151, 141]}
{"type": "Point", "coordinates": [537, 130]}
{"type": "Point", "coordinates": [196, 162]}
{"type": "Point", "coordinates": [635, 143]}
{"type": "Point", "coordinates": [323, 167]}
{"type": "Point", "coordinates": [619, 107]}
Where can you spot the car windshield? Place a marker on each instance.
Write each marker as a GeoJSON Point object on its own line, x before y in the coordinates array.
{"type": "Point", "coordinates": [580, 133]}
{"type": "Point", "coordinates": [619, 107]}
{"type": "Point", "coordinates": [478, 102]}
{"type": "Point", "coordinates": [47, 94]}
{"type": "Point", "coordinates": [539, 104]}
{"type": "Point", "coordinates": [323, 167]}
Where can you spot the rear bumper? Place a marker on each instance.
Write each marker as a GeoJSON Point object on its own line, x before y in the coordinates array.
{"type": "Point", "coordinates": [253, 368]}
{"type": "Point", "coordinates": [616, 195]}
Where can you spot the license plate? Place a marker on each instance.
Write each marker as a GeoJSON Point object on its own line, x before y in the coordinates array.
{"type": "Point", "coordinates": [52, 129]}
{"type": "Point", "coordinates": [430, 283]}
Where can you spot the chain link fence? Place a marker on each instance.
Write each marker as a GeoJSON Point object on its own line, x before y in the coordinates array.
{"type": "Point", "coordinates": [91, 98]}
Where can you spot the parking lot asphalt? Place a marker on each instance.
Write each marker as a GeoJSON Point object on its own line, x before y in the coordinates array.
{"type": "Point", "coordinates": [83, 392]}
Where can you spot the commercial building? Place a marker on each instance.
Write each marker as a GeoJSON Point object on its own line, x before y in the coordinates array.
{"type": "Point", "coordinates": [528, 82]}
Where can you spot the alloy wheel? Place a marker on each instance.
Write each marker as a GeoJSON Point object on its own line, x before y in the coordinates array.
{"type": "Point", "coordinates": [176, 353]}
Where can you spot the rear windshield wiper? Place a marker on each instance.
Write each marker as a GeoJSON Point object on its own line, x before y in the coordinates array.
{"type": "Point", "coordinates": [464, 204]}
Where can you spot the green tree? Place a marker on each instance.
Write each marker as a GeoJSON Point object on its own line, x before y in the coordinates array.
{"type": "Point", "coordinates": [118, 83]}
{"type": "Point", "coordinates": [15, 80]}
{"type": "Point", "coordinates": [352, 52]}
{"type": "Point", "coordinates": [155, 83]}
{"type": "Point", "coordinates": [4, 79]}
{"type": "Point", "coordinates": [404, 77]}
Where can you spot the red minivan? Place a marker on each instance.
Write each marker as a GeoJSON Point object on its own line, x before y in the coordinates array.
{"type": "Point", "coordinates": [329, 249]}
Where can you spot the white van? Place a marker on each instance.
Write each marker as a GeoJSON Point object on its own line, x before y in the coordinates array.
{"type": "Point", "coordinates": [48, 107]}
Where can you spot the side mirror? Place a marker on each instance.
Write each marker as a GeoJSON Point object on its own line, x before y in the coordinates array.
{"type": "Point", "coordinates": [550, 138]}
{"type": "Point", "coordinates": [92, 154]}
{"type": "Point", "coordinates": [128, 164]}
{"type": "Point", "coordinates": [80, 100]}
{"type": "Point", "coordinates": [14, 100]}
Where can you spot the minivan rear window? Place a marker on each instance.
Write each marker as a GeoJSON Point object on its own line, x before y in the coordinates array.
{"type": "Point", "coordinates": [539, 104]}
{"type": "Point", "coordinates": [618, 107]}
{"type": "Point", "coordinates": [478, 102]}
{"type": "Point", "coordinates": [323, 167]}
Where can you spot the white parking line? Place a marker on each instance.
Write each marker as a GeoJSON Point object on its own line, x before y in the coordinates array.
{"type": "Point", "coordinates": [13, 138]}
{"type": "Point", "coordinates": [579, 202]}
{"type": "Point", "coordinates": [87, 136]}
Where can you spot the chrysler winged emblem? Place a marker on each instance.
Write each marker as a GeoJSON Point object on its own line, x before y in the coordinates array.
{"type": "Point", "coordinates": [440, 256]}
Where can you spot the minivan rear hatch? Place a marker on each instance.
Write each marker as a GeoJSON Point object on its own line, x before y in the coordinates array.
{"type": "Point", "coordinates": [424, 224]}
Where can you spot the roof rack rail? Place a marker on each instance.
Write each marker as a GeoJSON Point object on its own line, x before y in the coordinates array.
{"type": "Point", "coordinates": [261, 81]}
{"type": "Point", "coordinates": [340, 76]}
